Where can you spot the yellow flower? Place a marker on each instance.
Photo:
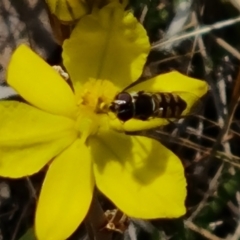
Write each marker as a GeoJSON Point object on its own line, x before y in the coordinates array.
{"type": "Point", "coordinates": [68, 10]}
{"type": "Point", "coordinates": [71, 10]}
{"type": "Point", "coordinates": [74, 132]}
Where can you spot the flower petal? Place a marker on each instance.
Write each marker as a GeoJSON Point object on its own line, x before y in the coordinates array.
{"type": "Point", "coordinates": [142, 177]}
{"type": "Point", "coordinates": [66, 193]}
{"type": "Point", "coordinates": [189, 89]}
{"type": "Point", "coordinates": [134, 125]}
{"type": "Point", "coordinates": [108, 44]}
{"type": "Point", "coordinates": [67, 10]}
{"type": "Point", "coordinates": [40, 84]}
{"type": "Point", "coordinates": [29, 138]}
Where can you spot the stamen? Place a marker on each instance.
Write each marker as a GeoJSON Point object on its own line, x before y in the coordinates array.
{"type": "Point", "coordinates": [97, 94]}
{"type": "Point", "coordinates": [94, 101]}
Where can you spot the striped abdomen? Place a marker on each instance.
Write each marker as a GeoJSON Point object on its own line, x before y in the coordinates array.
{"type": "Point", "coordinates": [168, 105]}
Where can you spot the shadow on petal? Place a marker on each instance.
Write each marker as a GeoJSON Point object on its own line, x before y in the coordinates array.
{"type": "Point", "coordinates": [142, 177]}
{"type": "Point", "coordinates": [131, 153]}
{"type": "Point", "coordinates": [151, 167]}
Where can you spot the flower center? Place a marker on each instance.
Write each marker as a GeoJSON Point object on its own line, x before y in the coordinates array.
{"type": "Point", "coordinates": [97, 95]}
{"type": "Point", "coordinates": [93, 101]}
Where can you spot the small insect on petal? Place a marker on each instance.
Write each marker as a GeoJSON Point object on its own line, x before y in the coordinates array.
{"type": "Point", "coordinates": [147, 105]}
{"type": "Point", "coordinates": [155, 102]}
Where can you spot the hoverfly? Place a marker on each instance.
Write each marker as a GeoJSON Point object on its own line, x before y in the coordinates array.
{"type": "Point", "coordinates": [145, 105]}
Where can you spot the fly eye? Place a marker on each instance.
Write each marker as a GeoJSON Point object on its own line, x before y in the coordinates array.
{"type": "Point", "coordinates": [122, 106]}
{"type": "Point", "coordinates": [124, 97]}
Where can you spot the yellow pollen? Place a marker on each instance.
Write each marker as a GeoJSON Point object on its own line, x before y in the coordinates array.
{"type": "Point", "coordinates": [97, 94]}
{"type": "Point", "coordinates": [94, 100]}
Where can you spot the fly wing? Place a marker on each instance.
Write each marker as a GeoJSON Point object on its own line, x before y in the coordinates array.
{"type": "Point", "coordinates": [194, 103]}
